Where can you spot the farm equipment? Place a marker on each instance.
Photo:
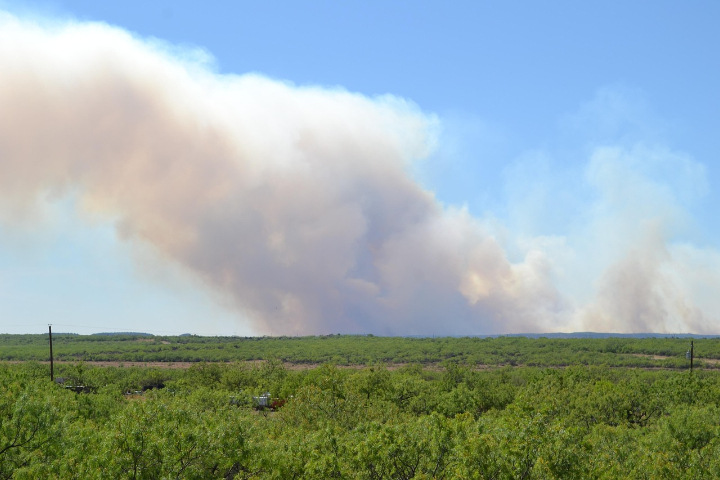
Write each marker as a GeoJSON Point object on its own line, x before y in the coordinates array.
{"type": "Point", "coordinates": [267, 402]}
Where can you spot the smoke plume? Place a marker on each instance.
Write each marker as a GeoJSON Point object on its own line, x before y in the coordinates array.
{"type": "Point", "coordinates": [295, 203]}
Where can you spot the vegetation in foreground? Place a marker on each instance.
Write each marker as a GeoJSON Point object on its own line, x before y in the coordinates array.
{"type": "Point", "coordinates": [375, 423]}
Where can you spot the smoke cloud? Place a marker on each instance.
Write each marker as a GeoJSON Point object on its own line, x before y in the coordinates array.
{"type": "Point", "coordinates": [648, 280]}
{"type": "Point", "coordinates": [295, 203]}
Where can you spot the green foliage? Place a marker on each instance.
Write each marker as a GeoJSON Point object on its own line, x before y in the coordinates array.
{"type": "Point", "coordinates": [374, 422]}
{"type": "Point", "coordinates": [367, 350]}
{"type": "Point", "coordinates": [30, 420]}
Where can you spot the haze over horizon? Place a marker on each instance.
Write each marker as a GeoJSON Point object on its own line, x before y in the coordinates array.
{"type": "Point", "coordinates": [414, 170]}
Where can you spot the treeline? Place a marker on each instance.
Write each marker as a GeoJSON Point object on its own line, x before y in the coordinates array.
{"type": "Point", "coordinates": [374, 423]}
{"type": "Point", "coordinates": [364, 350]}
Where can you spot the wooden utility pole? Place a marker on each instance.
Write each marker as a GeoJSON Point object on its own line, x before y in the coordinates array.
{"type": "Point", "coordinates": [692, 355]}
{"type": "Point", "coordinates": [52, 372]}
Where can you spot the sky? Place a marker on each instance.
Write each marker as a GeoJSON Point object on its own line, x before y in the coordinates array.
{"type": "Point", "coordinates": [396, 168]}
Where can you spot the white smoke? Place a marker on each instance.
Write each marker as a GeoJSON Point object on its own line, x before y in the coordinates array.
{"type": "Point", "coordinates": [296, 202]}
{"type": "Point", "coordinates": [644, 274]}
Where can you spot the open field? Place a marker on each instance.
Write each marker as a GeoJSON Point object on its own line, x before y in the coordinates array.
{"type": "Point", "coordinates": [356, 350]}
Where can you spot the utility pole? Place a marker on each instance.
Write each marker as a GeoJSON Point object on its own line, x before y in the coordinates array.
{"type": "Point", "coordinates": [52, 372]}
{"type": "Point", "coordinates": [691, 355]}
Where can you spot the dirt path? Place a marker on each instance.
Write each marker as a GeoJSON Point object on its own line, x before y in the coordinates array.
{"type": "Point", "coordinates": [113, 363]}
{"type": "Point", "coordinates": [654, 357]}
{"type": "Point", "coordinates": [711, 361]}
{"type": "Point", "coordinates": [288, 365]}
{"type": "Point", "coordinates": [437, 367]}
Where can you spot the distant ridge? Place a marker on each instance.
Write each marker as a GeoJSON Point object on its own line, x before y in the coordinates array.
{"type": "Point", "coordinates": [526, 335]}
{"type": "Point", "coordinates": [136, 334]}
{"type": "Point", "coordinates": [576, 335]}
{"type": "Point", "coordinates": [609, 335]}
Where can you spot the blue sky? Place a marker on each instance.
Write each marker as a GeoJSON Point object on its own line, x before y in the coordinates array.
{"type": "Point", "coordinates": [527, 94]}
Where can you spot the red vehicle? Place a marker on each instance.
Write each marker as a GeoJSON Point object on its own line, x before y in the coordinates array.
{"type": "Point", "coordinates": [266, 402]}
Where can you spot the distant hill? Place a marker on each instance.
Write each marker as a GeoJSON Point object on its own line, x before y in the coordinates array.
{"type": "Point", "coordinates": [610, 335]}
{"type": "Point", "coordinates": [526, 335]}
{"type": "Point", "coordinates": [136, 334]}
{"type": "Point", "coordinates": [576, 335]}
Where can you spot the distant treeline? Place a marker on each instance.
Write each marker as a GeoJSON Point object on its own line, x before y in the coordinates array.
{"type": "Point", "coordinates": [668, 352]}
